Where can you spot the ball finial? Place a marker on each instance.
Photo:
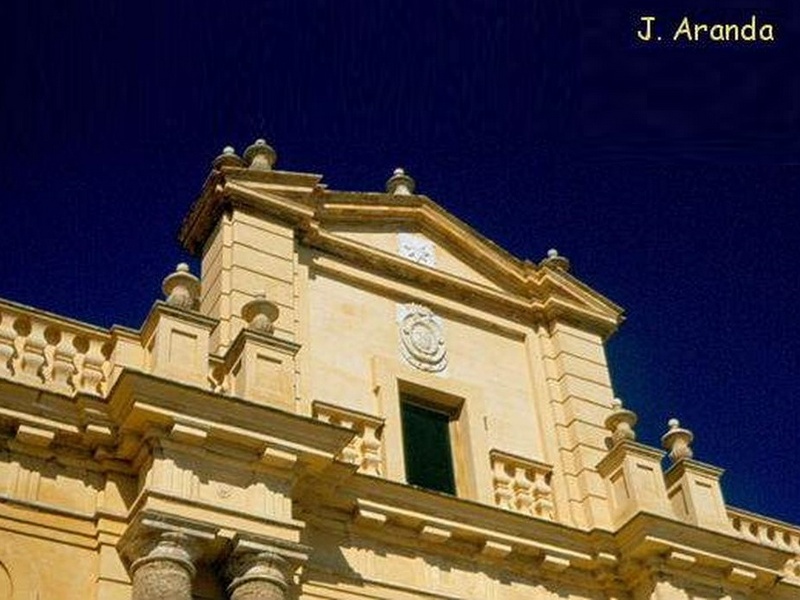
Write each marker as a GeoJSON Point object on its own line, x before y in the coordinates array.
{"type": "Point", "coordinates": [228, 158]}
{"type": "Point", "coordinates": [400, 184]}
{"type": "Point", "coordinates": [260, 156]}
{"type": "Point", "coordinates": [677, 441]}
{"type": "Point", "coordinates": [555, 261]}
{"type": "Point", "coordinates": [181, 288]}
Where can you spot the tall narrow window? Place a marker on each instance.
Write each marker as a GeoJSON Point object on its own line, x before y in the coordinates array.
{"type": "Point", "coordinates": [426, 445]}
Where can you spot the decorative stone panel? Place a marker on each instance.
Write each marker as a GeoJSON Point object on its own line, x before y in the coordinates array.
{"type": "Point", "coordinates": [422, 343]}
{"type": "Point", "coordinates": [416, 249]}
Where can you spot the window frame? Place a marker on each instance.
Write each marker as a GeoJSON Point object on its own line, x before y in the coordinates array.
{"type": "Point", "coordinates": [468, 440]}
{"type": "Point", "coordinates": [441, 416]}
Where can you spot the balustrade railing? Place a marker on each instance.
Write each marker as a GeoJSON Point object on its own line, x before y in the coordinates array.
{"type": "Point", "coordinates": [768, 532]}
{"type": "Point", "coordinates": [364, 450]}
{"type": "Point", "coordinates": [52, 352]}
{"type": "Point", "coordinates": [522, 485]}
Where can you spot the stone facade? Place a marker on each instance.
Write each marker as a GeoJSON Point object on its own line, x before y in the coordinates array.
{"type": "Point", "coordinates": [246, 442]}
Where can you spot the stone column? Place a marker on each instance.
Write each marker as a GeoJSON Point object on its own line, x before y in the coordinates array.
{"type": "Point", "coordinates": [166, 571]}
{"type": "Point", "coordinates": [259, 575]}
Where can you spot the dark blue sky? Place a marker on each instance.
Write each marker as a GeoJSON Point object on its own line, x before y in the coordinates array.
{"type": "Point", "coordinates": [667, 173]}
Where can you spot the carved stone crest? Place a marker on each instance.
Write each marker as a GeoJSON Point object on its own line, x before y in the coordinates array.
{"type": "Point", "coordinates": [416, 249]}
{"type": "Point", "coordinates": [421, 337]}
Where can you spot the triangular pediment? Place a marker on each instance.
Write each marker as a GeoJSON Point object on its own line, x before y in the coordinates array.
{"type": "Point", "coordinates": [417, 231]}
{"type": "Point", "coordinates": [412, 237]}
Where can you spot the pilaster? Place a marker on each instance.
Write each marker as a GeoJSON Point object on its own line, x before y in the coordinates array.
{"type": "Point", "coordinates": [243, 225]}
{"type": "Point", "coordinates": [579, 394]}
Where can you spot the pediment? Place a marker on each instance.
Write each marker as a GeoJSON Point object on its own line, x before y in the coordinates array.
{"type": "Point", "coordinates": [407, 236]}
{"type": "Point", "coordinates": [416, 231]}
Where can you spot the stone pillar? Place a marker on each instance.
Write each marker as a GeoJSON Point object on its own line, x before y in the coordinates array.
{"type": "Point", "coordinates": [166, 571]}
{"type": "Point", "coordinates": [259, 575]}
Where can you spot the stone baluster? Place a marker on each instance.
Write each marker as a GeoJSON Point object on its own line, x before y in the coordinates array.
{"type": "Point", "coordinates": [60, 355]}
{"type": "Point", "coordinates": [352, 452]}
{"type": "Point", "coordinates": [88, 365]}
{"type": "Point", "coordinates": [542, 496]}
{"type": "Point", "coordinates": [259, 575]}
{"type": "Point", "coordinates": [364, 450]}
{"type": "Point", "coordinates": [52, 336]}
{"type": "Point", "coordinates": [29, 345]}
{"type": "Point", "coordinates": [503, 492]}
{"type": "Point", "coordinates": [523, 490]}
{"type": "Point", "coordinates": [7, 350]}
{"type": "Point", "coordinates": [166, 571]}
{"type": "Point", "coordinates": [371, 450]}
{"type": "Point", "coordinates": [107, 352]}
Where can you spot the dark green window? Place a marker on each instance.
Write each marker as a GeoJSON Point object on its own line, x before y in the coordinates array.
{"type": "Point", "coordinates": [426, 443]}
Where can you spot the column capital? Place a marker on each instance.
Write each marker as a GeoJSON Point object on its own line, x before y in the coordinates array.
{"type": "Point", "coordinates": [156, 536]}
{"type": "Point", "coordinates": [162, 559]}
{"type": "Point", "coordinates": [170, 546]}
{"type": "Point", "coordinates": [263, 570]}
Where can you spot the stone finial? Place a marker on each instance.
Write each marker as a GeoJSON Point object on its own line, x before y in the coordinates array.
{"type": "Point", "coordinates": [260, 314]}
{"type": "Point", "coordinates": [620, 423]}
{"type": "Point", "coordinates": [400, 184]}
{"type": "Point", "coordinates": [181, 288]}
{"type": "Point", "coordinates": [260, 156]}
{"type": "Point", "coordinates": [677, 441]}
{"type": "Point", "coordinates": [228, 158]}
{"type": "Point", "coordinates": [555, 261]}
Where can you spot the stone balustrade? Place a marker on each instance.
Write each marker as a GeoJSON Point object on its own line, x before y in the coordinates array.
{"type": "Point", "coordinates": [51, 352]}
{"type": "Point", "coordinates": [522, 485]}
{"type": "Point", "coordinates": [365, 449]}
{"type": "Point", "coordinates": [768, 532]}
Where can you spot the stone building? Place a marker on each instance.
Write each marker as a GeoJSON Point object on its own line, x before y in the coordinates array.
{"type": "Point", "coordinates": [360, 397]}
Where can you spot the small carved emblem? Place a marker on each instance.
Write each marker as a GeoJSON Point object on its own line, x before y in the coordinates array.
{"type": "Point", "coordinates": [416, 249]}
{"type": "Point", "coordinates": [224, 490]}
{"type": "Point", "coordinates": [421, 339]}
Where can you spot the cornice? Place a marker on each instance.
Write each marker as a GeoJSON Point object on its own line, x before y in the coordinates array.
{"type": "Point", "coordinates": [403, 516]}
{"type": "Point", "coordinates": [161, 308]}
{"type": "Point", "coordinates": [140, 401]}
{"type": "Point", "coordinates": [647, 536]}
{"type": "Point", "coordinates": [421, 212]}
{"type": "Point", "coordinates": [276, 192]}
